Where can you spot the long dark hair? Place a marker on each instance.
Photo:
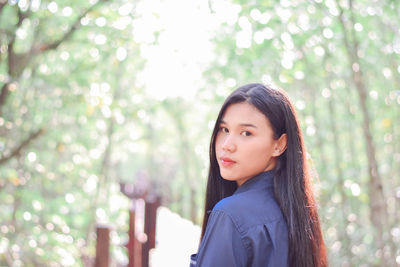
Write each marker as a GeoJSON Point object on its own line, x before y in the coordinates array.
{"type": "Point", "coordinates": [292, 186]}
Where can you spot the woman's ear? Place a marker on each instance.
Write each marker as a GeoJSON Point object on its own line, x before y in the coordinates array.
{"type": "Point", "coordinates": [280, 145]}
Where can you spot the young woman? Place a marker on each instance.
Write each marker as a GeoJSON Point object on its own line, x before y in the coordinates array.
{"type": "Point", "coordinates": [260, 209]}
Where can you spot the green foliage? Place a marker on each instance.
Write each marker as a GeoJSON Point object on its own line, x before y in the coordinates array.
{"type": "Point", "coordinates": [301, 45]}
{"type": "Point", "coordinates": [97, 124]}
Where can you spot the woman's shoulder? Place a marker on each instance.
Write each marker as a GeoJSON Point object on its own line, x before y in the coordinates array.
{"type": "Point", "coordinates": [250, 208]}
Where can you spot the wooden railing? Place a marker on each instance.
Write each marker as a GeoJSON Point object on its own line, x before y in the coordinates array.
{"type": "Point", "coordinates": [140, 242]}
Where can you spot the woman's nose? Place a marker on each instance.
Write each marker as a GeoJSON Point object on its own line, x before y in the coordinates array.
{"type": "Point", "coordinates": [229, 144]}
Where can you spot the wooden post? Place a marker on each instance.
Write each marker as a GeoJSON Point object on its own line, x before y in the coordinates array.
{"type": "Point", "coordinates": [151, 205]}
{"type": "Point", "coordinates": [131, 233]}
{"type": "Point", "coordinates": [140, 243]}
{"type": "Point", "coordinates": [134, 246]}
{"type": "Point", "coordinates": [102, 246]}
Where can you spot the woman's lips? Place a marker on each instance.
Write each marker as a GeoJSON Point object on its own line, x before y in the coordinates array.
{"type": "Point", "coordinates": [227, 162]}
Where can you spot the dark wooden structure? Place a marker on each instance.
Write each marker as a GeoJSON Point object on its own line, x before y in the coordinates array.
{"type": "Point", "coordinates": [102, 246]}
{"type": "Point", "coordinates": [141, 241]}
{"type": "Point", "coordinates": [150, 217]}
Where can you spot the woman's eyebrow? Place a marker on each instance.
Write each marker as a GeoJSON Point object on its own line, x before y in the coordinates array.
{"type": "Point", "coordinates": [241, 124]}
{"type": "Point", "coordinates": [248, 125]}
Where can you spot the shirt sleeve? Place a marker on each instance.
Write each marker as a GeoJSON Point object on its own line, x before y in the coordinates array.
{"type": "Point", "coordinates": [222, 244]}
{"type": "Point", "coordinates": [269, 243]}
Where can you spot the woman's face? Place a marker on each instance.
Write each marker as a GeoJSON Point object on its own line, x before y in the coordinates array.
{"type": "Point", "coordinates": [245, 145]}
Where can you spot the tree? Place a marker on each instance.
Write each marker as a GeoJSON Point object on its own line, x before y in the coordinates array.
{"type": "Point", "coordinates": [315, 49]}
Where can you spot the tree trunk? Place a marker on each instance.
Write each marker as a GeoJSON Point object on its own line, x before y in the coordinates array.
{"type": "Point", "coordinates": [378, 209]}
{"type": "Point", "coordinates": [319, 139]}
{"type": "Point", "coordinates": [185, 156]}
{"type": "Point", "coordinates": [395, 129]}
{"type": "Point", "coordinates": [346, 240]}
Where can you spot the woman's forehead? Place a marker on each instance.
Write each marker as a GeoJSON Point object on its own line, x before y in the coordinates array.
{"type": "Point", "coordinates": [243, 113]}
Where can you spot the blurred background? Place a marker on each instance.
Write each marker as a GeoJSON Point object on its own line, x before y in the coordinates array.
{"type": "Point", "coordinates": [98, 93]}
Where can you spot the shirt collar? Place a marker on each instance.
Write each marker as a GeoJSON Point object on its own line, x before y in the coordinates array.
{"type": "Point", "coordinates": [263, 180]}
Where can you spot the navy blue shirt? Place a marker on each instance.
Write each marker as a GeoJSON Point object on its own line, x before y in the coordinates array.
{"type": "Point", "coordinates": [245, 229]}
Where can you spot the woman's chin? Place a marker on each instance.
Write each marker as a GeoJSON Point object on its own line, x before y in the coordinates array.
{"type": "Point", "coordinates": [228, 176]}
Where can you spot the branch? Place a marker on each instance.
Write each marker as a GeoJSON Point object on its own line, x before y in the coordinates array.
{"type": "Point", "coordinates": [22, 16]}
{"type": "Point", "coordinates": [353, 31]}
{"type": "Point", "coordinates": [2, 4]}
{"type": "Point", "coordinates": [45, 47]}
{"type": "Point", "coordinates": [3, 94]}
{"type": "Point", "coordinates": [23, 144]}
{"type": "Point", "coordinates": [12, 56]}
{"type": "Point", "coordinates": [18, 62]}
{"type": "Point", "coordinates": [349, 48]}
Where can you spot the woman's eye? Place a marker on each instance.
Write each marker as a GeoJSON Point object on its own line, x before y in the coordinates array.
{"type": "Point", "coordinates": [246, 133]}
{"type": "Point", "coordinates": [223, 129]}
